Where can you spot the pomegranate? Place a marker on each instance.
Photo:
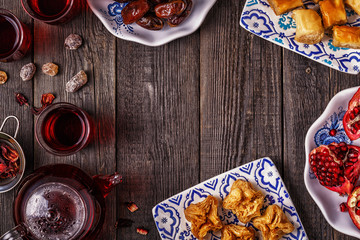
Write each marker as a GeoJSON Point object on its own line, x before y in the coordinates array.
{"type": "Point", "coordinates": [351, 120]}
{"type": "Point", "coordinates": [336, 166]}
{"type": "Point", "coordinates": [353, 203]}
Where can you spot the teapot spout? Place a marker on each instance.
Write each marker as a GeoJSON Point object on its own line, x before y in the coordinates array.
{"type": "Point", "coordinates": [107, 182]}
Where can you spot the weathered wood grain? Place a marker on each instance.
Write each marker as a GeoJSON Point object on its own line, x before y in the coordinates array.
{"type": "Point", "coordinates": [157, 126]}
{"type": "Point", "coordinates": [8, 106]}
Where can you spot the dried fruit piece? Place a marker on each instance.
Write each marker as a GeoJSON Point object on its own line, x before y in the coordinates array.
{"type": "Point", "coordinates": [132, 206]}
{"type": "Point", "coordinates": [3, 77]}
{"type": "Point", "coordinates": [50, 69]}
{"type": "Point", "coordinates": [122, 222]}
{"type": "Point", "coordinates": [170, 9]}
{"type": "Point", "coordinates": [336, 166]}
{"type": "Point", "coordinates": [177, 20]}
{"type": "Point", "coordinates": [142, 231]}
{"type": "Point", "coordinates": [151, 21]}
{"type": "Point", "coordinates": [21, 99]}
{"type": "Point", "coordinates": [134, 11]}
{"type": "Point", "coordinates": [73, 42]}
{"type": "Point", "coordinates": [76, 82]}
{"type": "Point", "coordinates": [27, 72]}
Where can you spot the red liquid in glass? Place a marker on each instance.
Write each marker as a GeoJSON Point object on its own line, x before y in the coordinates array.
{"type": "Point", "coordinates": [49, 8]}
{"type": "Point", "coordinates": [8, 35]}
{"type": "Point", "coordinates": [63, 129]}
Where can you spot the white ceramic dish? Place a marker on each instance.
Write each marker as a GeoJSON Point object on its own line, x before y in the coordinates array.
{"type": "Point", "coordinates": [259, 19]}
{"type": "Point", "coordinates": [318, 134]}
{"type": "Point", "coordinates": [109, 13]}
{"type": "Point", "coordinates": [169, 214]}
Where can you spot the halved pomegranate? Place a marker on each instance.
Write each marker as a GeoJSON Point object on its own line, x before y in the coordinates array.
{"type": "Point", "coordinates": [353, 203]}
{"type": "Point", "coordinates": [336, 166]}
{"type": "Point", "coordinates": [351, 120]}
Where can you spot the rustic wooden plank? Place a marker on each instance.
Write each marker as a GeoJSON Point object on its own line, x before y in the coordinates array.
{"type": "Point", "coordinates": [240, 94]}
{"type": "Point", "coordinates": [97, 58]}
{"type": "Point", "coordinates": [158, 126]}
{"type": "Point", "coordinates": [306, 94]}
{"type": "Point", "coordinates": [8, 107]}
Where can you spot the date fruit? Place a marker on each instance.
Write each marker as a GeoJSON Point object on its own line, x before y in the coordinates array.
{"type": "Point", "coordinates": [27, 72]}
{"type": "Point", "coordinates": [134, 11]}
{"type": "Point", "coordinates": [151, 22]}
{"type": "Point", "coordinates": [50, 69]}
{"type": "Point", "coordinates": [76, 82]}
{"type": "Point", "coordinates": [170, 9]}
{"type": "Point", "coordinates": [177, 20]}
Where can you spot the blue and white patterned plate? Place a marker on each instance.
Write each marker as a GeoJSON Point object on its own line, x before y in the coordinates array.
{"type": "Point", "coordinates": [169, 215]}
{"type": "Point", "coordinates": [259, 19]}
{"type": "Point", "coordinates": [109, 13]}
{"type": "Point", "coordinates": [319, 134]}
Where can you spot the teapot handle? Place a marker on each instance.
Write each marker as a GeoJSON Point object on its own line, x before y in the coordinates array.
{"type": "Point", "coordinates": [15, 234]}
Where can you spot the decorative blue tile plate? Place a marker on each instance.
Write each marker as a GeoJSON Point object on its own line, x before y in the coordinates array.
{"type": "Point", "coordinates": [319, 134]}
{"type": "Point", "coordinates": [109, 13]}
{"type": "Point", "coordinates": [259, 19]}
{"type": "Point", "coordinates": [169, 215]}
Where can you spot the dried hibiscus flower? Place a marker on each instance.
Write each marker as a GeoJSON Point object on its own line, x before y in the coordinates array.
{"type": "Point", "coordinates": [46, 100]}
{"type": "Point", "coordinates": [9, 161]}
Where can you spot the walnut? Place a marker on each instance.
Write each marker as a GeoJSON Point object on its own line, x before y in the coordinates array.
{"type": "Point", "coordinates": [3, 77]}
{"type": "Point", "coordinates": [27, 72]}
{"type": "Point", "coordinates": [244, 201]}
{"type": "Point", "coordinates": [236, 232]}
{"type": "Point", "coordinates": [203, 217]}
{"type": "Point", "coordinates": [73, 42]}
{"type": "Point", "coordinates": [273, 223]}
{"type": "Point", "coordinates": [50, 69]}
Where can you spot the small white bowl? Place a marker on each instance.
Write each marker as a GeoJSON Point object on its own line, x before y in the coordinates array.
{"type": "Point", "coordinates": [109, 13]}
{"type": "Point", "coordinates": [318, 134]}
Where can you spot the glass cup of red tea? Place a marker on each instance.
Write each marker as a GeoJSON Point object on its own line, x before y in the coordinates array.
{"type": "Point", "coordinates": [64, 129]}
{"type": "Point", "coordinates": [52, 11]}
{"type": "Point", "coordinates": [15, 37]}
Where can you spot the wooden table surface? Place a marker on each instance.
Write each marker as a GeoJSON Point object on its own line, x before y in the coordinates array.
{"type": "Point", "coordinates": [170, 117]}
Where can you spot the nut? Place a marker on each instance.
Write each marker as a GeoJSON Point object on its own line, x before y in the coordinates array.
{"type": "Point", "coordinates": [3, 77]}
{"type": "Point", "coordinates": [27, 72]}
{"type": "Point", "coordinates": [73, 42]}
{"type": "Point", "coordinates": [76, 82]}
{"type": "Point", "coordinates": [50, 69]}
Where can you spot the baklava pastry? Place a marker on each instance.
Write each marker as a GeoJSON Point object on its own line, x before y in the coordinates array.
{"type": "Point", "coordinates": [347, 37]}
{"type": "Point", "coordinates": [283, 6]}
{"type": "Point", "coordinates": [244, 201]}
{"type": "Point", "coordinates": [354, 4]}
{"type": "Point", "coordinates": [309, 28]}
{"type": "Point", "coordinates": [203, 217]}
{"type": "Point", "coordinates": [273, 224]}
{"type": "Point", "coordinates": [333, 12]}
{"type": "Point", "coordinates": [236, 232]}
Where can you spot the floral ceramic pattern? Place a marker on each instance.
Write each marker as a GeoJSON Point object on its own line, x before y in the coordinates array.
{"type": "Point", "coordinates": [259, 18]}
{"type": "Point", "coordinates": [169, 215]}
{"type": "Point", "coordinates": [318, 134]}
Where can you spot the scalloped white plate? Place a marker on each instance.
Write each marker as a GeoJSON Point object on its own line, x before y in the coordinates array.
{"type": "Point", "coordinates": [109, 13]}
{"type": "Point", "coordinates": [170, 218]}
{"type": "Point", "coordinates": [318, 134]}
{"type": "Point", "coordinates": [258, 18]}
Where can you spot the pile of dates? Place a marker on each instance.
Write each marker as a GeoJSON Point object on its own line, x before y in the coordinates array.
{"type": "Point", "coordinates": [151, 14]}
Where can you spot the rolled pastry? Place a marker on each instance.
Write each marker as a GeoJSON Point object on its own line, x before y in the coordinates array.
{"type": "Point", "coordinates": [345, 36]}
{"type": "Point", "coordinates": [283, 6]}
{"type": "Point", "coordinates": [309, 28]}
{"type": "Point", "coordinates": [354, 4]}
{"type": "Point", "coordinates": [333, 12]}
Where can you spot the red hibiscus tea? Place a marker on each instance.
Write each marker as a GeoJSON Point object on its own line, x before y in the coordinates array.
{"type": "Point", "coordinates": [51, 11]}
{"type": "Point", "coordinates": [15, 38]}
{"type": "Point", "coordinates": [64, 129]}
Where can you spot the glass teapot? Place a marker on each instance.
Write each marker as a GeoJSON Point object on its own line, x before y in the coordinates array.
{"type": "Point", "coordinates": [60, 202]}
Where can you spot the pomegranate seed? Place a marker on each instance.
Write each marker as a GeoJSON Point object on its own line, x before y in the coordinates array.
{"type": "Point", "coordinates": [352, 116]}
{"type": "Point", "coordinates": [349, 163]}
{"type": "Point", "coordinates": [342, 144]}
{"type": "Point", "coordinates": [343, 207]}
{"type": "Point", "coordinates": [344, 149]}
{"type": "Point", "coordinates": [332, 147]}
{"type": "Point", "coordinates": [357, 211]}
{"type": "Point", "coordinates": [332, 132]}
{"type": "Point", "coordinates": [353, 130]}
{"type": "Point", "coordinates": [358, 204]}
{"type": "Point", "coordinates": [356, 111]}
